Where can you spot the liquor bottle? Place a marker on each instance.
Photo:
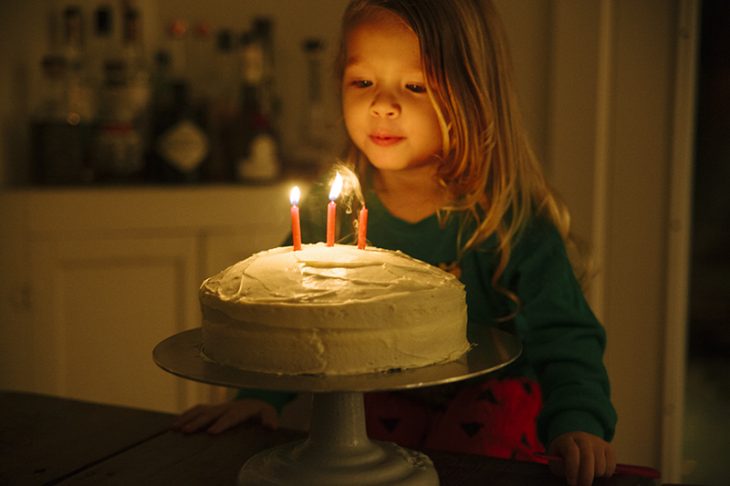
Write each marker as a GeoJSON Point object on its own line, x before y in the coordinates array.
{"type": "Point", "coordinates": [161, 103]}
{"type": "Point", "coordinates": [72, 38]}
{"type": "Point", "coordinates": [60, 134]}
{"type": "Point", "coordinates": [252, 142]}
{"type": "Point", "coordinates": [315, 137]}
{"type": "Point", "coordinates": [263, 33]}
{"type": "Point", "coordinates": [223, 106]}
{"type": "Point", "coordinates": [78, 82]}
{"type": "Point", "coordinates": [200, 57]}
{"type": "Point", "coordinates": [176, 42]}
{"type": "Point", "coordinates": [180, 145]}
{"type": "Point", "coordinates": [138, 76]}
{"type": "Point", "coordinates": [118, 144]}
{"type": "Point", "coordinates": [103, 46]}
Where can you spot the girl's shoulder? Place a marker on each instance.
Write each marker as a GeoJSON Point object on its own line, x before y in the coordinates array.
{"type": "Point", "coordinates": [538, 231]}
{"type": "Point", "coordinates": [537, 245]}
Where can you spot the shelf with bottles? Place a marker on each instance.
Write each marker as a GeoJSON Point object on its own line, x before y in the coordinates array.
{"type": "Point", "coordinates": [129, 113]}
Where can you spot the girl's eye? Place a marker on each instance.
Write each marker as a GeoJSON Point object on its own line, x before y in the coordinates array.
{"type": "Point", "coordinates": [362, 83]}
{"type": "Point", "coordinates": [416, 88]}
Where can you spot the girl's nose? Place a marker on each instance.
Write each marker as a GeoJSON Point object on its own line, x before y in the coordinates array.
{"type": "Point", "coordinates": [385, 106]}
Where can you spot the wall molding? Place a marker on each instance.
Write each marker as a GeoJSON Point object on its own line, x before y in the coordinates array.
{"type": "Point", "coordinates": [679, 236]}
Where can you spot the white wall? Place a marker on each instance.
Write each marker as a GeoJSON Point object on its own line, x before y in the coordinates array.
{"type": "Point", "coordinates": [610, 153]}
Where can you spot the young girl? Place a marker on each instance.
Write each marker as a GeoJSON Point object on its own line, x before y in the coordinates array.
{"type": "Point", "coordinates": [450, 179]}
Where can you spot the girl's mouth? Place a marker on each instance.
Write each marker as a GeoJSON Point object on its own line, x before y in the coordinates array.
{"type": "Point", "coordinates": [385, 140]}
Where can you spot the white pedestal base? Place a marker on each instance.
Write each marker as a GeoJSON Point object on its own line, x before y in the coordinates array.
{"type": "Point", "coordinates": [338, 452]}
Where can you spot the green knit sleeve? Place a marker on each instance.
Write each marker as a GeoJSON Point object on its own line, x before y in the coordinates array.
{"type": "Point", "coordinates": [563, 341]}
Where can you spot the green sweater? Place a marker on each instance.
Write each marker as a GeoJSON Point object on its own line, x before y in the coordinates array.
{"type": "Point", "coordinates": [563, 342]}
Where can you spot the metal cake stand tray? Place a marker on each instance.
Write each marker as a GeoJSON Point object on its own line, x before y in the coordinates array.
{"type": "Point", "coordinates": [338, 450]}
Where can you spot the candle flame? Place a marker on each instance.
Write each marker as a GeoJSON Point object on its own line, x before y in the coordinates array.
{"type": "Point", "coordinates": [336, 187]}
{"type": "Point", "coordinates": [294, 195]}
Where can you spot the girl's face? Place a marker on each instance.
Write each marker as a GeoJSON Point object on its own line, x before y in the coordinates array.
{"type": "Point", "coordinates": [387, 110]}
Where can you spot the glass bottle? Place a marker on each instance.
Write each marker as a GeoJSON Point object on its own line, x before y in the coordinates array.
{"type": "Point", "coordinates": [60, 135]}
{"type": "Point", "coordinates": [138, 76]}
{"type": "Point", "coordinates": [78, 81]}
{"type": "Point", "coordinates": [102, 48]}
{"type": "Point", "coordinates": [313, 129]}
{"type": "Point", "coordinates": [180, 147]}
{"type": "Point", "coordinates": [118, 145]}
{"type": "Point", "coordinates": [223, 106]}
{"type": "Point", "coordinates": [263, 33]}
{"type": "Point", "coordinates": [252, 142]}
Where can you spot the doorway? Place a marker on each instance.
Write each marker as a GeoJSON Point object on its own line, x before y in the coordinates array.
{"type": "Point", "coordinates": [707, 386]}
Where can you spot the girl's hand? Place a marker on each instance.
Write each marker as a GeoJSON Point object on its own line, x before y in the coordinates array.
{"type": "Point", "coordinates": [585, 456]}
{"type": "Point", "coordinates": [221, 417]}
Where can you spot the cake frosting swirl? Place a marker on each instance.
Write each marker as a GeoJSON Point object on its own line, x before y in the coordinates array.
{"type": "Point", "coordinates": [332, 310]}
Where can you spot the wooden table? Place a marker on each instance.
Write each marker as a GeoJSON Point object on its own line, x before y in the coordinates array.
{"type": "Point", "coordinates": [50, 440]}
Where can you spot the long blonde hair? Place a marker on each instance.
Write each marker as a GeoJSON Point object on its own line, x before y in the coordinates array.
{"type": "Point", "coordinates": [487, 165]}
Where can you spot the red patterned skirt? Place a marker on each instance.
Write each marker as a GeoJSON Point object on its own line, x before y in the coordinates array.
{"type": "Point", "coordinates": [494, 418]}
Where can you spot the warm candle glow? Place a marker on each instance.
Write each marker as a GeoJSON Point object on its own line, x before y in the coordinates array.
{"type": "Point", "coordinates": [294, 195]}
{"type": "Point", "coordinates": [336, 187]}
{"type": "Point", "coordinates": [296, 232]}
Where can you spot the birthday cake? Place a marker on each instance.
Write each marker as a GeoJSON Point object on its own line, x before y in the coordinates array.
{"type": "Point", "coordinates": [332, 310]}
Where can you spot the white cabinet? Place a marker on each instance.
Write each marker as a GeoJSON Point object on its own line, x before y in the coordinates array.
{"type": "Point", "coordinates": [92, 280]}
{"type": "Point", "coordinates": [99, 309]}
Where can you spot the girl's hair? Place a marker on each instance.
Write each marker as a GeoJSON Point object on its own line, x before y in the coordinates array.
{"type": "Point", "coordinates": [487, 165]}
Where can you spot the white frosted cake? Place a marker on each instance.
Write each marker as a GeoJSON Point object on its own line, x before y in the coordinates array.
{"type": "Point", "coordinates": [332, 310]}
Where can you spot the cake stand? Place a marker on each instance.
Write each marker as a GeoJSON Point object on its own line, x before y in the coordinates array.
{"type": "Point", "coordinates": [338, 450]}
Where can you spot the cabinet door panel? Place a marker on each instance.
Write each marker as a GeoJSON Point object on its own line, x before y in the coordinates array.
{"type": "Point", "coordinates": [101, 305]}
{"type": "Point", "coordinates": [16, 337]}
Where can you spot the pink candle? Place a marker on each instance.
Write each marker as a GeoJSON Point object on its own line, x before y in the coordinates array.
{"type": "Point", "coordinates": [296, 231]}
{"type": "Point", "coordinates": [362, 228]}
{"type": "Point", "coordinates": [332, 209]}
{"type": "Point", "coordinates": [331, 216]}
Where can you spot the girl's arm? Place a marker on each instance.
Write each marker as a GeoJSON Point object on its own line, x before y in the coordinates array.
{"type": "Point", "coordinates": [564, 344]}
{"type": "Point", "coordinates": [261, 405]}
{"type": "Point", "coordinates": [563, 341]}
{"type": "Point", "coordinates": [223, 416]}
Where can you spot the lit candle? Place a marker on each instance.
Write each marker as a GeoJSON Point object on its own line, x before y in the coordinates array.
{"type": "Point", "coordinates": [296, 231]}
{"type": "Point", "coordinates": [362, 228]}
{"type": "Point", "coordinates": [332, 209]}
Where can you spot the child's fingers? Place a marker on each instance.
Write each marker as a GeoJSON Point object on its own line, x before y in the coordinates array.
{"type": "Point", "coordinates": [187, 416]}
{"type": "Point", "coordinates": [571, 463]}
{"type": "Point", "coordinates": [202, 417]}
{"type": "Point", "coordinates": [610, 461]}
{"type": "Point", "coordinates": [225, 422]}
{"type": "Point", "coordinates": [236, 413]}
{"type": "Point", "coordinates": [198, 422]}
{"type": "Point", "coordinates": [219, 418]}
{"type": "Point", "coordinates": [599, 454]}
{"type": "Point", "coordinates": [586, 470]}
